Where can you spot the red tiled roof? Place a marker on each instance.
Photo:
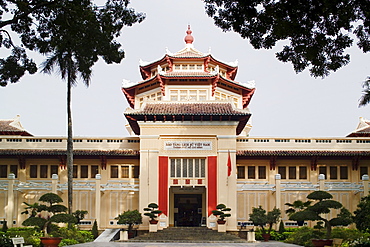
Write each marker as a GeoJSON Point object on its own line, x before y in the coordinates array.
{"type": "Point", "coordinates": [254, 153]}
{"type": "Point", "coordinates": [170, 108]}
{"type": "Point", "coordinates": [187, 111]}
{"type": "Point", "coordinates": [47, 152]}
{"type": "Point", "coordinates": [7, 129]}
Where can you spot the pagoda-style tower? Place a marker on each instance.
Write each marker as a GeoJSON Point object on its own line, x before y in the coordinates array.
{"type": "Point", "coordinates": [188, 111]}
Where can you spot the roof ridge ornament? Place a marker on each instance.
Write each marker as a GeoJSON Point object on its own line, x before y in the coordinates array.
{"type": "Point", "coordinates": [189, 38]}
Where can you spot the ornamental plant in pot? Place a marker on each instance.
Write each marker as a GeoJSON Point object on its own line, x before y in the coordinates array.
{"type": "Point", "coordinates": [297, 206]}
{"type": "Point", "coordinates": [260, 218]}
{"type": "Point", "coordinates": [130, 218]}
{"type": "Point", "coordinates": [323, 205]}
{"type": "Point", "coordinates": [152, 212]}
{"type": "Point", "coordinates": [220, 213]}
{"type": "Point", "coordinates": [55, 213]}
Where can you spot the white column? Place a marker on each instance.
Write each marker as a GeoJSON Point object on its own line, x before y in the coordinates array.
{"type": "Point", "coordinates": [10, 205]}
{"type": "Point", "coordinates": [321, 181]}
{"type": "Point", "coordinates": [54, 183]}
{"type": "Point", "coordinates": [365, 181]}
{"type": "Point", "coordinates": [97, 199]}
{"type": "Point", "coordinates": [278, 190]}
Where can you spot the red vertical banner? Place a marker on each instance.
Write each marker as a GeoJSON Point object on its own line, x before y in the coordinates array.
{"type": "Point", "coordinates": [163, 184]}
{"type": "Point", "coordinates": [228, 164]}
{"type": "Point", "coordinates": [212, 184]}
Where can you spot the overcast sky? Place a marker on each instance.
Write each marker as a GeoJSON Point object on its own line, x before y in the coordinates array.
{"type": "Point", "coordinates": [285, 104]}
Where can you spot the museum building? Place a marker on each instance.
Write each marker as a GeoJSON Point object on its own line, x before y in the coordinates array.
{"type": "Point", "coordinates": [189, 149]}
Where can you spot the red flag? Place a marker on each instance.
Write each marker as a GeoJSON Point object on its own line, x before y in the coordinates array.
{"type": "Point", "coordinates": [229, 165]}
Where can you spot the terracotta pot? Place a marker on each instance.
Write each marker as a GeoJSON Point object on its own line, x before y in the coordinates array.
{"type": "Point", "coordinates": [153, 222]}
{"type": "Point", "coordinates": [322, 242]}
{"type": "Point", "coordinates": [50, 242]}
{"type": "Point", "coordinates": [221, 222]}
{"type": "Point", "coordinates": [266, 237]}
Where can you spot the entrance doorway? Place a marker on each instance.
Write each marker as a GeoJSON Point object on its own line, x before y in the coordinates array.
{"type": "Point", "coordinates": [188, 210]}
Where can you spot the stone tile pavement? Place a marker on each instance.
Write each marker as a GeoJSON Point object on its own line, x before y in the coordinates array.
{"type": "Point", "coordinates": [143, 244]}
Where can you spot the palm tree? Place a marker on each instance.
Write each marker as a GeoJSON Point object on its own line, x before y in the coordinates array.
{"type": "Point", "coordinates": [365, 98]}
{"type": "Point", "coordinates": [68, 71]}
{"type": "Point", "coordinates": [73, 38]}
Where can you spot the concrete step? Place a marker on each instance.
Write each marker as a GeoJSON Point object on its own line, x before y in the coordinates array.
{"type": "Point", "coordinates": [187, 234]}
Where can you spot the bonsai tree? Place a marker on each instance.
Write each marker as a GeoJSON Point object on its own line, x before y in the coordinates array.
{"type": "Point", "coordinates": [295, 207]}
{"type": "Point", "coordinates": [220, 212]}
{"type": "Point", "coordinates": [79, 215]}
{"type": "Point", "coordinates": [31, 209]}
{"type": "Point", "coordinates": [323, 205]}
{"type": "Point", "coordinates": [260, 218]}
{"type": "Point", "coordinates": [130, 218]}
{"type": "Point", "coordinates": [55, 213]}
{"type": "Point", "coordinates": [152, 211]}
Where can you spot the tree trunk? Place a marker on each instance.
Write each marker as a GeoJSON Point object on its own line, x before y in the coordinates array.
{"type": "Point", "coordinates": [69, 146]}
{"type": "Point", "coordinates": [328, 229]}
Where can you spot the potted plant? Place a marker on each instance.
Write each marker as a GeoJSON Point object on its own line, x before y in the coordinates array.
{"type": "Point", "coordinates": [323, 206]}
{"type": "Point", "coordinates": [152, 212]}
{"type": "Point", "coordinates": [130, 218]}
{"type": "Point", "coordinates": [260, 218]}
{"type": "Point", "coordinates": [220, 213]}
{"type": "Point", "coordinates": [297, 206]}
{"type": "Point", "coordinates": [55, 214]}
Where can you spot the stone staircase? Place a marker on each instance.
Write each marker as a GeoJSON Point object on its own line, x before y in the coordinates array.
{"type": "Point", "coordinates": [188, 235]}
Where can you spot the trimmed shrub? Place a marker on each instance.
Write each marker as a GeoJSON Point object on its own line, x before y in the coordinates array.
{"type": "Point", "coordinates": [302, 236]}
{"type": "Point", "coordinates": [30, 234]}
{"type": "Point", "coordinates": [67, 242]}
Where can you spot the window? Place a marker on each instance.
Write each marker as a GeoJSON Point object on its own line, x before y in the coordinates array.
{"type": "Point", "coordinates": [343, 170]}
{"type": "Point", "coordinates": [303, 172]}
{"type": "Point", "coordinates": [3, 171]}
{"type": "Point", "coordinates": [292, 172]}
{"type": "Point", "coordinates": [262, 172]}
{"type": "Point", "coordinates": [188, 94]}
{"type": "Point", "coordinates": [251, 172]}
{"type": "Point", "coordinates": [282, 171]}
{"type": "Point", "coordinates": [84, 172]}
{"type": "Point", "coordinates": [322, 170]}
{"type": "Point", "coordinates": [33, 171]}
{"type": "Point", "coordinates": [53, 170]}
{"type": "Point", "coordinates": [43, 171]}
{"type": "Point", "coordinates": [75, 171]}
{"type": "Point", "coordinates": [94, 171]}
{"type": "Point", "coordinates": [224, 96]}
{"type": "Point", "coordinates": [114, 171]}
{"type": "Point", "coordinates": [124, 171]}
{"type": "Point", "coordinates": [240, 172]}
{"type": "Point", "coordinates": [156, 96]}
{"type": "Point", "coordinates": [363, 171]}
{"type": "Point", "coordinates": [188, 168]}
{"type": "Point", "coordinates": [333, 170]}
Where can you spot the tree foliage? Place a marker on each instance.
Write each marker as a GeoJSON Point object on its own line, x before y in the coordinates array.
{"type": "Point", "coordinates": [85, 29]}
{"type": "Point", "coordinates": [362, 214]}
{"type": "Point", "coordinates": [220, 211]}
{"type": "Point", "coordinates": [261, 218]}
{"type": "Point", "coordinates": [323, 206]}
{"type": "Point", "coordinates": [316, 32]}
{"type": "Point", "coordinates": [55, 213]}
{"type": "Point", "coordinates": [130, 218]}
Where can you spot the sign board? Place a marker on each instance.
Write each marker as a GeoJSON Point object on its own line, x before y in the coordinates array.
{"type": "Point", "coordinates": [188, 145]}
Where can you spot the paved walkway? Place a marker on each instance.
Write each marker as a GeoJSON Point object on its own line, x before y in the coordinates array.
{"type": "Point", "coordinates": [140, 244]}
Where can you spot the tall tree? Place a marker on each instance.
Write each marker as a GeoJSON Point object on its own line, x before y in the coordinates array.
{"type": "Point", "coordinates": [315, 32]}
{"type": "Point", "coordinates": [73, 34]}
{"type": "Point", "coordinates": [74, 37]}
